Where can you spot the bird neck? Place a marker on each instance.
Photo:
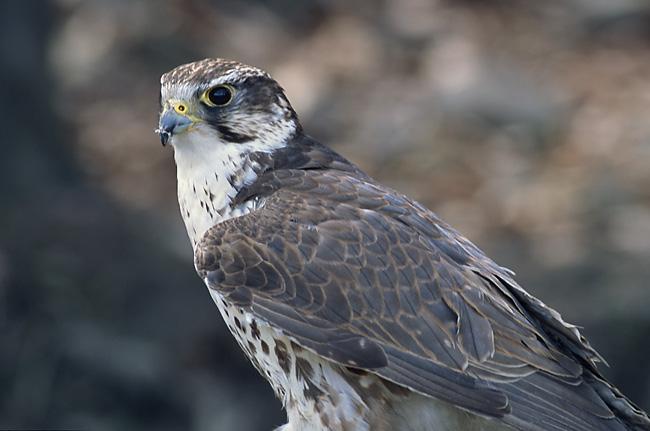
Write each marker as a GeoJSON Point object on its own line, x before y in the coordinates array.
{"type": "Point", "coordinates": [211, 173]}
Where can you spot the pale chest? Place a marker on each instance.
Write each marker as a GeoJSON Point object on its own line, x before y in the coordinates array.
{"type": "Point", "coordinates": [269, 351]}
{"type": "Point", "coordinates": [205, 202]}
{"type": "Point", "coordinates": [208, 182]}
{"type": "Point", "coordinates": [310, 387]}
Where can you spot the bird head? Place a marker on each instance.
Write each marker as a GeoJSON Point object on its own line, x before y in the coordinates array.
{"type": "Point", "coordinates": [223, 102]}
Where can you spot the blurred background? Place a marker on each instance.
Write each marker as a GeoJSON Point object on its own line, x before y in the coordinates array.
{"type": "Point", "coordinates": [524, 124]}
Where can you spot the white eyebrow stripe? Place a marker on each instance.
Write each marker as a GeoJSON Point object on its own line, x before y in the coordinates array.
{"type": "Point", "coordinates": [238, 75]}
{"type": "Point", "coordinates": [223, 78]}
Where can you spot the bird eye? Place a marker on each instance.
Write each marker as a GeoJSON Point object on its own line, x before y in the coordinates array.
{"type": "Point", "coordinates": [220, 95]}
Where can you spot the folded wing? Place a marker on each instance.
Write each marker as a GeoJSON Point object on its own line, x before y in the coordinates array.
{"type": "Point", "coordinates": [369, 279]}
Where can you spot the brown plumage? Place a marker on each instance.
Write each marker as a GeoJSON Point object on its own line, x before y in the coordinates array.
{"type": "Point", "coordinates": [350, 271]}
{"type": "Point", "coordinates": [364, 276]}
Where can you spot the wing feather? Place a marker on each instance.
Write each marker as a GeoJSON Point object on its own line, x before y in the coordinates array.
{"type": "Point", "coordinates": [367, 278]}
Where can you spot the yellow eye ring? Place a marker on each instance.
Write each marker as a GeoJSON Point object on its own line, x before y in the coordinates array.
{"type": "Point", "coordinates": [219, 95]}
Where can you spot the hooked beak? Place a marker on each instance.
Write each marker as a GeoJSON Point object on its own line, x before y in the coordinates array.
{"type": "Point", "coordinates": [171, 122]}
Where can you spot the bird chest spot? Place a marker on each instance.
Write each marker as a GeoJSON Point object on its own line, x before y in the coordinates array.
{"type": "Point", "coordinates": [282, 353]}
{"type": "Point", "coordinates": [304, 370]}
{"type": "Point", "coordinates": [252, 348]}
{"type": "Point", "coordinates": [255, 331]}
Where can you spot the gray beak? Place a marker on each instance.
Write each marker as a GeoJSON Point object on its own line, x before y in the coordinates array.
{"type": "Point", "coordinates": [171, 122]}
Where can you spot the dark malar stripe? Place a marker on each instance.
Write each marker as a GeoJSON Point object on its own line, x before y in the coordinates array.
{"type": "Point", "coordinates": [228, 135]}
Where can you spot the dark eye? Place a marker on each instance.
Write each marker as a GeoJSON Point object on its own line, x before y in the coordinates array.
{"type": "Point", "coordinates": [219, 95]}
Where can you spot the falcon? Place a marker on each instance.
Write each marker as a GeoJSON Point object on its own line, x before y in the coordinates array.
{"type": "Point", "coordinates": [362, 308]}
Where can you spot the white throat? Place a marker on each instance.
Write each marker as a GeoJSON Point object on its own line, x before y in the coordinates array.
{"type": "Point", "coordinates": [210, 173]}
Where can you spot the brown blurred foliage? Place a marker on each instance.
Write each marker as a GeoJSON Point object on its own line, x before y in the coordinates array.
{"type": "Point", "coordinates": [524, 124]}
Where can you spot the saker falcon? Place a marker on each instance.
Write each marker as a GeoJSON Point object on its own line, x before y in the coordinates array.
{"type": "Point", "coordinates": [362, 309]}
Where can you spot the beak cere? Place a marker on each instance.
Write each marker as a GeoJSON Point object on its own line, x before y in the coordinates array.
{"type": "Point", "coordinates": [171, 122]}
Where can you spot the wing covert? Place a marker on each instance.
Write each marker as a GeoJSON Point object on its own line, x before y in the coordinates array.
{"type": "Point", "coordinates": [369, 279]}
